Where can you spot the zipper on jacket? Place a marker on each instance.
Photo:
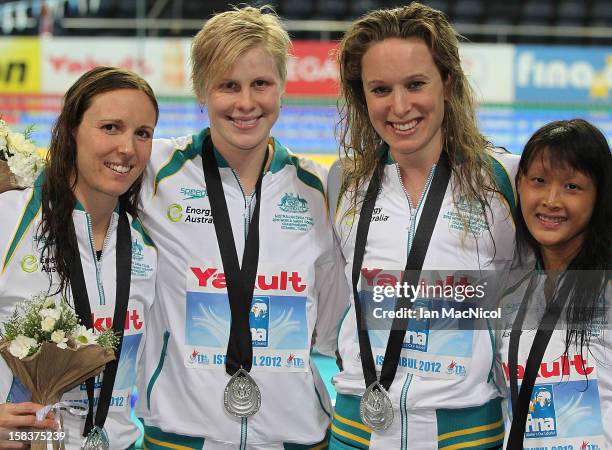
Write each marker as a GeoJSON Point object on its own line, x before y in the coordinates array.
{"type": "Point", "coordinates": [244, 428]}
{"type": "Point", "coordinates": [97, 263]}
{"type": "Point", "coordinates": [248, 202]}
{"type": "Point", "coordinates": [414, 211]}
{"type": "Point", "coordinates": [411, 233]}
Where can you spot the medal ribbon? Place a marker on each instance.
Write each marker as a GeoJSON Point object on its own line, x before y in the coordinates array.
{"type": "Point", "coordinates": [520, 400]}
{"type": "Point", "coordinates": [240, 281]}
{"type": "Point", "coordinates": [412, 272]}
{"type": "Point", "coordinates": [83, 310]}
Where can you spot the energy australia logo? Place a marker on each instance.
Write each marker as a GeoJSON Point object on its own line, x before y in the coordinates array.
{"type": "Point", "coordinates": [192, 193]}
{"type": "Point", "coordinates": [174, 212]}
{"type": "Point", "coordinates": [29, 264]}
{"type": "Point", "coordinates": [259, 320]}
{"type": "Point", "coordinates": [541, 418]}
{"type": "Point", "coordinates": [293, 203]}
{"type": "Point", "coordinates": [417, 334]}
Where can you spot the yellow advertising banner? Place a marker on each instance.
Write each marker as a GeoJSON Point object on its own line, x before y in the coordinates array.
{"type": "Point", "coordinates": [20, 65]}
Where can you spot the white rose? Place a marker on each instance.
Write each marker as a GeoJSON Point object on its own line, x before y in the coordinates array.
{"type": "Point", "coordinates": [21, 345]}
{"type": "Point", "coordinates": [19, 144]}
{"type": "Point", "coordinates": [83, 336]}
{"type": "Point", "coordinates": [59, 337]}
{"type": "Point", "coordinates": [26, 168]}
{"type": "Point", "coordinates": [49, 302]}
{"type": "Point", "coordinates": [4, 132]}
{"type": "Point", "coordinates": [52, 313]}
{"type": "Point", "coordinates": [47, 324]}
{"type": "Point", "coordinates": [25, 164]}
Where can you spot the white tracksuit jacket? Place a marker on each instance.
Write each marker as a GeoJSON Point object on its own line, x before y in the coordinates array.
{"type": "Point", "coordinates": [445, 371]}
{"type": "Point", "coordinates": [299, 289]}
{"type": "Point", "coordinates": [25, 273]}
{"type": "Point", "coordinates": [571, 403]}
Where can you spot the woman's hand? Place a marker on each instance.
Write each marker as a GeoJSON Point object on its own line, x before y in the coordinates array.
{"type": "Point", "coordinates": [20, 417]}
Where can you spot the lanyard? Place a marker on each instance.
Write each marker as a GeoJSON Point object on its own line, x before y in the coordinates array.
{"type": "Point", "coordinates": [240, 280]}
{"type": "Point", "coordinates": [83, 310]}
{"type": "Point", "coordinates": [520, 400]}
{"type": "Point", "coordinates": [412, 272]}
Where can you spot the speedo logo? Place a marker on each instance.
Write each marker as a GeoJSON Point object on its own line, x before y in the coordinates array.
{"type": "Point", "coordinates": [564, 367]}
{"type": "Point", "coordinates": [282, 281]}
{"type": "Point", "coordinates": [192, 193]}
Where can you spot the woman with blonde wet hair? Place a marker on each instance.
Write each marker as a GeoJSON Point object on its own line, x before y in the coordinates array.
{"type": "Point", "coordinates": [250, 266]}
{"type": "Point", "coordinates": [420, 197]}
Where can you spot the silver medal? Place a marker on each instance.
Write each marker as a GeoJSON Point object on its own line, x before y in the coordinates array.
{"type": "Point", "coordinates": [241, 397]}
{"type": "Point", "coordinates": [97, 439]}
{"type": "Point", "coordinates": [375, 408]}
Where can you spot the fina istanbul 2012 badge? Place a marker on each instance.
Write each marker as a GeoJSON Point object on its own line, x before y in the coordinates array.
{"type": "Point", "coordinates": [375, 408]}
{"type": "Point", "coordinates": [241, 397]}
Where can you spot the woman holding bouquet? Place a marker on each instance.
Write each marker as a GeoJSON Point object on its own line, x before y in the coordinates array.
{"type": "Point", "coordinates": [250, 267]}
{"type": "Point", "coordinates": [75, 233]}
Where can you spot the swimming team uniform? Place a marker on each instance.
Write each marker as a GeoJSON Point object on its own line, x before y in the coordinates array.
{"type": "Point", "coordinates": [299, 290]}
{"type": "Point", "coordinates": [25, 273]}
{"type": "Point", "coordinates": [571, 402]}
{"type": "Point", "coordinates": [443, 393]}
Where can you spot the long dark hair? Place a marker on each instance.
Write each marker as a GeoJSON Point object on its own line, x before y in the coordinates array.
{"type": "Point", "coordinates": [578, 145]}
{"type": "Point", "coordinates": [61, 173]}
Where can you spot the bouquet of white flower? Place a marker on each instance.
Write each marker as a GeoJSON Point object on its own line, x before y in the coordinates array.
{"type": "Point", "coordinates": [50, 352]}
{"type": "Point", "coordinates": [20, 162]}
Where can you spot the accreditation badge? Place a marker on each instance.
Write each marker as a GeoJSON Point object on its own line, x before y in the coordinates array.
{"type": "Point", "coordinates": [277, 318]}
{"type": "Point", "coordinates": [125, 379]}
{"type": "Point", "coordinates": [439, 340]}
{"type": "Point", "coordinates": [565, 409]}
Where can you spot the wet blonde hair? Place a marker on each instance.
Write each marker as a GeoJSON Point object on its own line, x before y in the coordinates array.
{"type": "Point", "coordinates": [229, 35]}
{"type": "Point", "coordinates": [463, 142]}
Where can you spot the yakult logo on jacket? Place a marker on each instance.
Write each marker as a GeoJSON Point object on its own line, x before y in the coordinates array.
{"type": "Point", "coordinates": [563, 367]}
{"type": "Point", "coordinates": [283, 281]}
{"type": "Point", "coordinates": [132, 321]}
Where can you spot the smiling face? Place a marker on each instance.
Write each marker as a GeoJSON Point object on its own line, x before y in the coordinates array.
{"type": "Point", "coordinates": [404, 93]}
{"type": "Point", "coordinates": [557, 205]}
{"type": "Point", "coordinates": [113, 143]}
{"type": "Point", "coordinates": [244, 104]}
